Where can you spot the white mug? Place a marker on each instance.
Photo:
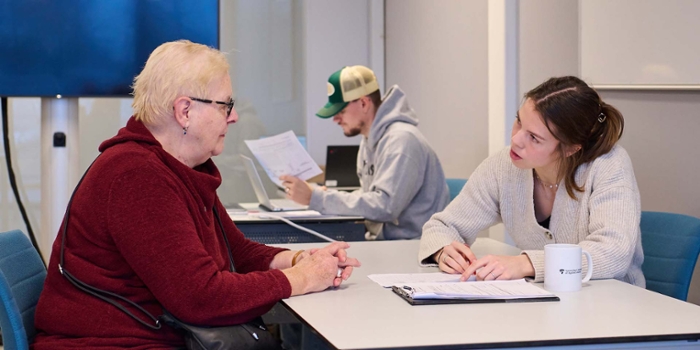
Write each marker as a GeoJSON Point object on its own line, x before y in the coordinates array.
{"type": "Point", "coordinates": [562, 267]}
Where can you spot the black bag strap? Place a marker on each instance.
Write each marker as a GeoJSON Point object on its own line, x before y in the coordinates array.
{"type": "Point", "coordinates": [105, 295]}
{"type": "Point", "coordinates": [223, 233]}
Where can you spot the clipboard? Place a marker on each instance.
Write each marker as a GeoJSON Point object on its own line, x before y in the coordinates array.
{"type": "Point", "coordinates": [466, 300]}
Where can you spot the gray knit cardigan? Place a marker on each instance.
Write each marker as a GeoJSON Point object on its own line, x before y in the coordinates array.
{"type": "Point", "coordinates": [603, 220]}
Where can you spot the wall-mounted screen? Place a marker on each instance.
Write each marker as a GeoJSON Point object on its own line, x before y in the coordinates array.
{"type": "Point", "coordinates": [89, 48]}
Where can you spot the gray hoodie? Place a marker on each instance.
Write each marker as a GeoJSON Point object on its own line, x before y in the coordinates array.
{"type": "Point", "coordinates": [402, 180]}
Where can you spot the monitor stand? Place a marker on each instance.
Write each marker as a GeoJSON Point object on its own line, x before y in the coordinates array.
{"type": "Point", "coordinates": [60, 164]}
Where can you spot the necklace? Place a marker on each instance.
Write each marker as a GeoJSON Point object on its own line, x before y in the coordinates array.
{"type": "Point", "coordinates": [544, 184]}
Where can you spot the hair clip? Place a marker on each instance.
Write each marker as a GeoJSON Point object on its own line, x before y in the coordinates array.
{"type": "Point", "coordinates": [601, 117]}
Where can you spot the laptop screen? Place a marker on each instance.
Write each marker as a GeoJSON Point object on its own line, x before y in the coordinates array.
{"type": "Point", "coordinates": [255, 180]}
{"type": "Point", "coordinates": [341, 166]}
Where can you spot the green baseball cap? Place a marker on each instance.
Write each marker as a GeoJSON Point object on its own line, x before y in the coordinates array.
{"type": "Point", "coordinates": [347, 85]}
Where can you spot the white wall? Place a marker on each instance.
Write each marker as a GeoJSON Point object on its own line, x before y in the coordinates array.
{"type": "Point", "coordinates": [640, 43]}
{"type": "Point", "coordinates": [264, 43]}
{"type": "Point", "coordinates": [26, 162]}
{"type": "Point", "coordinates": [336, 34]}
{"type": "Point", "coordinates": [661, 133]}
{"type": "Point", "coordinates": [548, 41]}
{"type": "Point", "coordinates": [438, 56]}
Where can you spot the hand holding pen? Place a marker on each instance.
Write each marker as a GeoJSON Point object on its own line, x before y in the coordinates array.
{"type": "Point", "coordinates": [455, 258]}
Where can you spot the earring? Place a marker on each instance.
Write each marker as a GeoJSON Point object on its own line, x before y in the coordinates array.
{"type": "Point", "coordinates": [184, 131]}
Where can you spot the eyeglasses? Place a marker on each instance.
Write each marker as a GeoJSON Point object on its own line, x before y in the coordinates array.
{"type": "Point", "coordinates": [229, 104]}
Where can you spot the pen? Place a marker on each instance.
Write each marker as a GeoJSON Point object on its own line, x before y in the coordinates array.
{"type": "Point", "coordinates": [464, 256]}
{"type": "Point", "coordinates": [470, 262]}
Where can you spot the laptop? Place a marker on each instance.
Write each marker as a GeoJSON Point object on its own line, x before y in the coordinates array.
{"type": "Point", "coordinates": [265, 201]}
{"type": "Point", "coordinates": [341, 167]}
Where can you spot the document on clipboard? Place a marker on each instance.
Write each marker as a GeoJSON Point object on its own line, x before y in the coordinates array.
{"type": "Point", "coordinates": [472, 292]}
{"type": "Point", "coordinates": [388, 280]}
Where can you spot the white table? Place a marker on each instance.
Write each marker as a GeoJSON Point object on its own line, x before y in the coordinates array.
{"type": "Point", "coordinates": [362, 315]}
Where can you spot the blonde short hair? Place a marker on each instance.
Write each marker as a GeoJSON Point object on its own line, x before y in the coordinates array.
{"type": "Point", "coordinates": [174, 69]}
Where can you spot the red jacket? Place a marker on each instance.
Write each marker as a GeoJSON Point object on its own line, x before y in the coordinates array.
{"type": "Point", "coordinates": [141, 225]}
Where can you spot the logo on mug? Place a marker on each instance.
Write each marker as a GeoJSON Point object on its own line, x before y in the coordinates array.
{"type": "Point", "coordinates": [561, 271]}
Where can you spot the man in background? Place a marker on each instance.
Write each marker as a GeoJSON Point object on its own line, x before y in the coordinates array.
{"type": "Point", "coordinates": [402, 182]}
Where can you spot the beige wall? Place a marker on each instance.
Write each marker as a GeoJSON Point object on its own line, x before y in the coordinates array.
{"type": "Point", "coordinates": [547, 41]}
{"type": "Point", "coordinates": [438, 56]}
{"type": "Point", "coordinates": [661, 136]}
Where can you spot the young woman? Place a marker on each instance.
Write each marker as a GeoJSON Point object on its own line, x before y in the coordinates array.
{"type": "Point", "coordinates": [563, 179]}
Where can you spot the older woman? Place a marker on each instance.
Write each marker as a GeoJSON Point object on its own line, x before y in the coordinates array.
{"type": "Point", "coordinates": [563, 179]}
{"type": "Point", "coordinates": [143, 223]}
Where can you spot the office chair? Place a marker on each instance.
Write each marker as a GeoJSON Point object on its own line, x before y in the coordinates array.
{"type": "Point", "coordinates": [22, 275]}
{"type": "Point", "coordinates": [455, 186]}
{"type": "Point", "coordinates": [671, 244]}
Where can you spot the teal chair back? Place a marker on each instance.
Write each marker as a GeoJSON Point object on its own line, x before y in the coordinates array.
{"type": "Point", "coordinates": [671, 244]}
{"type": "Point", "coordinates": [455, 186]}
{"type": "Point", "coordinates": [22, 275]}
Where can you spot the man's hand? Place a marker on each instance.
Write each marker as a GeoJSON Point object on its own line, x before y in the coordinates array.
{"type": "Point", "coordinates": [296, 189]}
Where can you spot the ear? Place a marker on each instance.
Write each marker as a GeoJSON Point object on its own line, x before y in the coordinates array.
{"type": "Point", "coordinates": [181, 107]}
{"type": "Point", "coordinates": [365, 104]}
{"type": "Point", "coordinates": [571, 150]}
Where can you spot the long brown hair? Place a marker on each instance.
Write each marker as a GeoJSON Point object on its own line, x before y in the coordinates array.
{"type": "Point", "coordinates": [574, 113]}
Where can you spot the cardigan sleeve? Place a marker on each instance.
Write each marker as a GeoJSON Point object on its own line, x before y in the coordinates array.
{"type": "Point", "coordinates": [157, 237]}
{"type": "Point", "coordinates": [474, 209]}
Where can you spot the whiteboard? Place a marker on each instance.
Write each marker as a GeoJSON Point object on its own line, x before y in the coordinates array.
{"type": "Point", "coordinates": [640, 42]}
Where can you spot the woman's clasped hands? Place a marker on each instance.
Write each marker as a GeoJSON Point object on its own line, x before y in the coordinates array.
{"type": "Point", "coordinates": [458, 258]}
{"type": "Point", "coordinates": [320, 268]}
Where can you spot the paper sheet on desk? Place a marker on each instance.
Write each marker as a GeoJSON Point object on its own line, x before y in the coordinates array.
{"type": "Point", "coordinates": [387, 280]}
{"type": "Point", "coordinates": [508, 289]}
{"type": "Point", "coordinates": [236, 211]}
{"type": "Point", "coordinates": [288, 214]}
{"type": "Point", "coordinates": [283, 154]}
